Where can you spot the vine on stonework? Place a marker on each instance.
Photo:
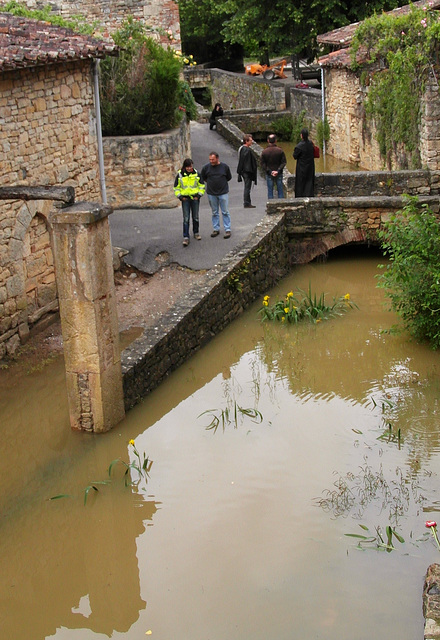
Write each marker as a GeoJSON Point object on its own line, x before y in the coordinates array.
{"type": "Point", "coordinates": [396, 55]}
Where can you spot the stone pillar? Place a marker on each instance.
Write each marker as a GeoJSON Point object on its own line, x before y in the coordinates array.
{"type": "Point", "coordinates": [84, 275]}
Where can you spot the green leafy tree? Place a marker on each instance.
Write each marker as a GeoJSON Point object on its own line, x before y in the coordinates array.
{"type": "Point", "coordinates": [141, 89]}
{"type": "Point", "coordinates": [397, 53]}
{"type": "Point", "coordinates": [264, 27]}
{"type": "Point", "coordinates": [411, 240]}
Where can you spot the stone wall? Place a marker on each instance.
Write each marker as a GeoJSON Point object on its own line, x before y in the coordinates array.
{"type": "Point", "coordinates": [140, 169]}
{"type": "Point", "coordinates": [162, 15]}
{"type": "Point", "coordinates": [349, 140]}
{"type": "Point", "coordinates": [353, 138]}
{"type": "Point", "coordinates": [47, 137]}
{"type": "Point", "coordinates": [310, 101]}
{"type": "Point", "coordinates": [256, 265]}
{"type": "Point", "coordinates": [238, 91]}
{"type": "Point", "coordinates": [48, 128]}
{"type": "Point", "coordinates": [430, 128]}
{"type": "Point", "coordinates": [373, 183]}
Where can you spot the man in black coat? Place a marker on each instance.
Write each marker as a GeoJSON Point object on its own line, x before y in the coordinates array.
{"type": "Point", "coordinates": [247, 169]}
{"type": "Point", "coordinates": [305, 167]}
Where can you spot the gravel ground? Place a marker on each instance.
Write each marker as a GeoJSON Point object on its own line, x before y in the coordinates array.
{"type": "Point", "coordinates": [141, 299]}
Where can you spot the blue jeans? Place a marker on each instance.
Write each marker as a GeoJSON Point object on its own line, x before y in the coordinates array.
{"type": "Point", "coordinates": [220, 202]}
{"type": "Point", "coordinates": [190, 207]}
{"type": "Point", "coordinates": [271, 182]}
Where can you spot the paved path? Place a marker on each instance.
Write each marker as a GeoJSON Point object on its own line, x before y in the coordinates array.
{"type": "Point", "coordinates": [147, 232]}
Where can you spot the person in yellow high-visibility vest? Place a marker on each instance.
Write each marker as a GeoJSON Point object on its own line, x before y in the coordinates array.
{"type": "Point", "coordinates": [189, 188]}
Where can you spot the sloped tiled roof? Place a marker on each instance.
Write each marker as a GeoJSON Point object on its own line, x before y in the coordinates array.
{"type": "Point", "coordinates": [30, 43]}
{"type": "Point", "coordinates": [343, 36]}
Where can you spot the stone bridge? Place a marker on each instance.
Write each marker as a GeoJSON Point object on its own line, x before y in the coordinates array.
{"type": "Point", "coordinates": [314, 226]}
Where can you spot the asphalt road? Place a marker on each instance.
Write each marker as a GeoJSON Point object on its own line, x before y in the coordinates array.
{"type": "Point", "coordinates": [145, 233]}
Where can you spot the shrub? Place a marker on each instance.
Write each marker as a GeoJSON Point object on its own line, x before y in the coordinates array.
{"type": "Point", "coordinates": [411, 239]}
{"type": "Point", "coordinates": [140, 89]}
{"type": "Point", "coordinates": [322, 132]}
{"type": "Point", "coordinates": [289, 127]}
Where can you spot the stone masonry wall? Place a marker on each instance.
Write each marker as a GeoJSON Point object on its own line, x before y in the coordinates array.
{"type": "Point", "coordinates": [373, 183]}
{"type": "Point", "coordinates": [310, 101]}
{"type": "Point", "coordinates": [343, 106]}
{"type": "Point", "coordinates": [47, 137]}
{"type": "Point", "coordinates": [430, 128]}
{"type": "Point", "coordinates": [48, 132]}
{"type": "Point", "coordinates": [238, 91]}
{"type": "Point", "coordinates": [256, 265]}
{"type": "Point", "coordinates": [162, 15]}
{"type": "Point", "coordinates": [352, 137]}
{"type": "Point", "coordinates": [140, 169]}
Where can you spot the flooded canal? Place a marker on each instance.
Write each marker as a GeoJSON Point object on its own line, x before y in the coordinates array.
{"type": "Point", "coordinates": [241, 531]}
{"type": "Point", "coordinates": [323, 164]}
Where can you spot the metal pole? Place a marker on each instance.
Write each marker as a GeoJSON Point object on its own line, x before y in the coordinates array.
{"type": "Point", "coordinates": [323, 110]}
{"type": "Point", "coordinates": [99, 131]}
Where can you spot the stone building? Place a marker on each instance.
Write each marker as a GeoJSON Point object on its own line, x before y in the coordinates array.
{"type": "Point", "coordinates": [48, 137]}
{"type": "Point", "coordinates": [350, 138]}
{"type": "Point", "coordinates": [161, 15]}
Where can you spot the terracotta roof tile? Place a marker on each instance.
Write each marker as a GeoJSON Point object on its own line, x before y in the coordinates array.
{"type": "Point", "coordinates": [342, 37]}
{"type": "Point", "coordinates": [29, 43]}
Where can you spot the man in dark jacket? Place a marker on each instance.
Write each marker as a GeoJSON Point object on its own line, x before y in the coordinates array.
{"type": "Point", "coordinates": [247, 169]}
{"type": "Point", "coordinates": [216, 176]}
{"type": "Point", "coordinates": [273, 161]}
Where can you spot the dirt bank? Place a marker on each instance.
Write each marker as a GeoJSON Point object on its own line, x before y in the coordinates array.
{"type": "Point", "coordinates": [142, 299]}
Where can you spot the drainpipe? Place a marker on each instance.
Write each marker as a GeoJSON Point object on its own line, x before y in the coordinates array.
{"type": "Point", "coordinates": [323, 108]}
{"type": "Point", "coordinates": [99, 131]}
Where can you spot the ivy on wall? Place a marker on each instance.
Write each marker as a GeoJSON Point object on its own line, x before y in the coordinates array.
{"type": "Point", "coordinates": [396, 55]}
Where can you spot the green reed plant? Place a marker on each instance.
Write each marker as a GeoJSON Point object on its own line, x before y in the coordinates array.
{"type": "Point", "coordinates": [377, 540]}
{"type": "Point", "coordinates": [302, 305]}
{"type": "Point", "coordinates": [225, 417]}
{"type": "Point", "coordinates": [141, 465]}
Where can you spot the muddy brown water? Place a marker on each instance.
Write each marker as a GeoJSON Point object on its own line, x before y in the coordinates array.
{"type": "Point", "coordinates": [230, 537]}
{"type": "Point", "coordinates": [324, 164]}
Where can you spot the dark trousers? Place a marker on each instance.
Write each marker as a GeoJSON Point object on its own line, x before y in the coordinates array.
{"type": "Point", "coordinates": [190, 208]}
{"type": "Point", "coordinates": [247, 179]}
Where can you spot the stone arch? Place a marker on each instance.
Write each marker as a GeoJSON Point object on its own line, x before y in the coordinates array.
{"type": "Point", "coordinates": [31, 286]}
{"type": "Point", "coordinates": [307, 249]}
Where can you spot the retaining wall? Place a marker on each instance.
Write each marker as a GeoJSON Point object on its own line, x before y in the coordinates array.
{"type": "Point", "coordinates": [140, 169]}
{"type": "Point", "coordinates": [230, 287]}
{"type": "Point", "coordinates": [238, 91]}
{"type": "Point", "coordinates": [310, 101]}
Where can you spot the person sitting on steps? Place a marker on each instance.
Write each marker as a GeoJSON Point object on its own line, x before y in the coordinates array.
{"type": "Point", "coordinates": [217, 112]}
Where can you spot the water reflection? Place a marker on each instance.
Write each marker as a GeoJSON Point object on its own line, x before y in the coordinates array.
{"type": "Point", "coordinates": [226, 540]}
{"type": "Point", "coordinates": [323, 164]}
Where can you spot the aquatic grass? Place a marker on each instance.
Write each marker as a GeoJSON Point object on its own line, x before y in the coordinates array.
{"type": "Point", "coordinates": [353, 493]}
{"type": "Point", "coordinates": [304, 305]}
{"type": "Point", "coordinates": [93, 486]}
{"type": "Point", "coordinates": [377, 541]}
{"type": "Point", "coordinates": [141, 465]}
{"type": "Point", "coordinates": [225, 417]}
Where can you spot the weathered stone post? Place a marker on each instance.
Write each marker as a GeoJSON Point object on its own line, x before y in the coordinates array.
{"type": "Point", "coordinates": [89, 323]}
